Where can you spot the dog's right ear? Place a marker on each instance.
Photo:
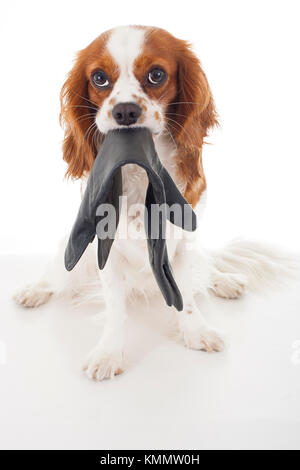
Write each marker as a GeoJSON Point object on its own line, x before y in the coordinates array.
{"type": "Point", "coordinates": [77, 116]}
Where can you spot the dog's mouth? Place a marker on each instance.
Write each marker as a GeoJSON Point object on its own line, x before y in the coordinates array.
{"type": "Point", "coordinates": [154, 132]}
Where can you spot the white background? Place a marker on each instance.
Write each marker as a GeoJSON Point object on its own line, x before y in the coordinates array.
{"type": "Point", "coordinates": [247, 396]}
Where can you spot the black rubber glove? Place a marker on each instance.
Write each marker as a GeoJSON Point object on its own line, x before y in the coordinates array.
{"type": "Point", "coordinates": [104, 186]}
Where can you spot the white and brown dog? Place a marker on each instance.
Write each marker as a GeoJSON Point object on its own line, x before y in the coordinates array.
{"type": "Point", "coordinates": [143, 76]}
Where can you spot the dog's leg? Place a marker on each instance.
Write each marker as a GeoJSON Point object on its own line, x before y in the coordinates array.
{"type": "Point", "coordinates": [192, 273]}
{"type": "Point", "coordinates": [106, 358]}
{"type": "Point", "coordinates": [194, 330]}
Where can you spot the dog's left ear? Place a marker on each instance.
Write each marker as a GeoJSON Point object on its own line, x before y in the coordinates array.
{"type": "Point", "coordinates": [194, 108]}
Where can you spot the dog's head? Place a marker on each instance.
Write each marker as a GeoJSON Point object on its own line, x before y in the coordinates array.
{"type": "Point", "coordinates": [134, 76]}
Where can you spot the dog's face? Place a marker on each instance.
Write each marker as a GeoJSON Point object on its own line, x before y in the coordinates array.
{"type": "Point", "coordinates": [133, 81]}
{"type": "Point", "coordinates": [134, 76]}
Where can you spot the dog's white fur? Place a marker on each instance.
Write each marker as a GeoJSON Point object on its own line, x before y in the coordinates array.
{"type": "Point", "coordinates": [228, 273]}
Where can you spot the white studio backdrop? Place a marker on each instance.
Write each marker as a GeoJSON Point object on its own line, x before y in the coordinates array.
{"type": "Point", "coordinates": [250, 53]}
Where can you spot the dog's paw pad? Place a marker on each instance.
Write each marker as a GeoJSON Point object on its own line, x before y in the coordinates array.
{"type": "Point", "coordinates": [229, 286]}
{"type": "Point", "coordinates": [204, 339]}
{"type": "Point", "coordinates": [100, 365]}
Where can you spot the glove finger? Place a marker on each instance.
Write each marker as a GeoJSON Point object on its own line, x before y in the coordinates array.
{"type": "Point", "coordinates": [181, 213]}
{"type": "Point", "coordinates": [77, 244]}
{"type": "Point", "coordinates": [173, 288]}
{"type": "Point", "coordinates": [106, 226]}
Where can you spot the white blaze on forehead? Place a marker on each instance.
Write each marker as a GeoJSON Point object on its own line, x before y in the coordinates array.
{"type": "Point", "coordinates": [125, 45]}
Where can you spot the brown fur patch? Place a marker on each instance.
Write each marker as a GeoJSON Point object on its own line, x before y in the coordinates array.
{"type": "Point", "coordinates": [190, 169]}
{"type": "Point", "coordinates": [80, 98]}
{"type": "Point", "coordinates": [157, 116]}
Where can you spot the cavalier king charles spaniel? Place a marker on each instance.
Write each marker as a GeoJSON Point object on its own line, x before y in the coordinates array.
{"type": "Point", "coordinates": [144, 76]}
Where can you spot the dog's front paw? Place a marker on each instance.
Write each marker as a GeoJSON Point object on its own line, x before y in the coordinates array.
{"type": "Point", "coordinates": [204, 339]}
{"type": "Point", "coordinates": [229, 286]}
{"type": "Point", "coordinates": [33, 295]}
{"type": "Point", "coordinates": [103, 364]}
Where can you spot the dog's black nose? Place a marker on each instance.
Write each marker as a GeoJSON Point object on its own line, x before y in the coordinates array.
{"type": "Point", "coordinates": [126, 113]}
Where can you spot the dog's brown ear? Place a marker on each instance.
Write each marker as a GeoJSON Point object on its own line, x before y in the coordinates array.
{"type": "Point", "coordinates": [78, 118]}
{"type": "Point", "coordinates": [194, 106]}
{"type": "Point", "coordinates": [195, 113]}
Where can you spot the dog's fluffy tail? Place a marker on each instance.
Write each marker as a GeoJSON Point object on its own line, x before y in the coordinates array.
{"type": "Point", "coordinates": [249, 265]}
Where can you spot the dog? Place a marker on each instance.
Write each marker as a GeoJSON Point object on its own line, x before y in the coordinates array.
{"type": "Point", "coordinates": [144, 76]}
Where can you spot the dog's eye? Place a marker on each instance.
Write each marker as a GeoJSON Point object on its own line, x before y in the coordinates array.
{"type": "Point", "coordinates": [100, 79]}
{"type": "Point", "coordinates": [156, 76]}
